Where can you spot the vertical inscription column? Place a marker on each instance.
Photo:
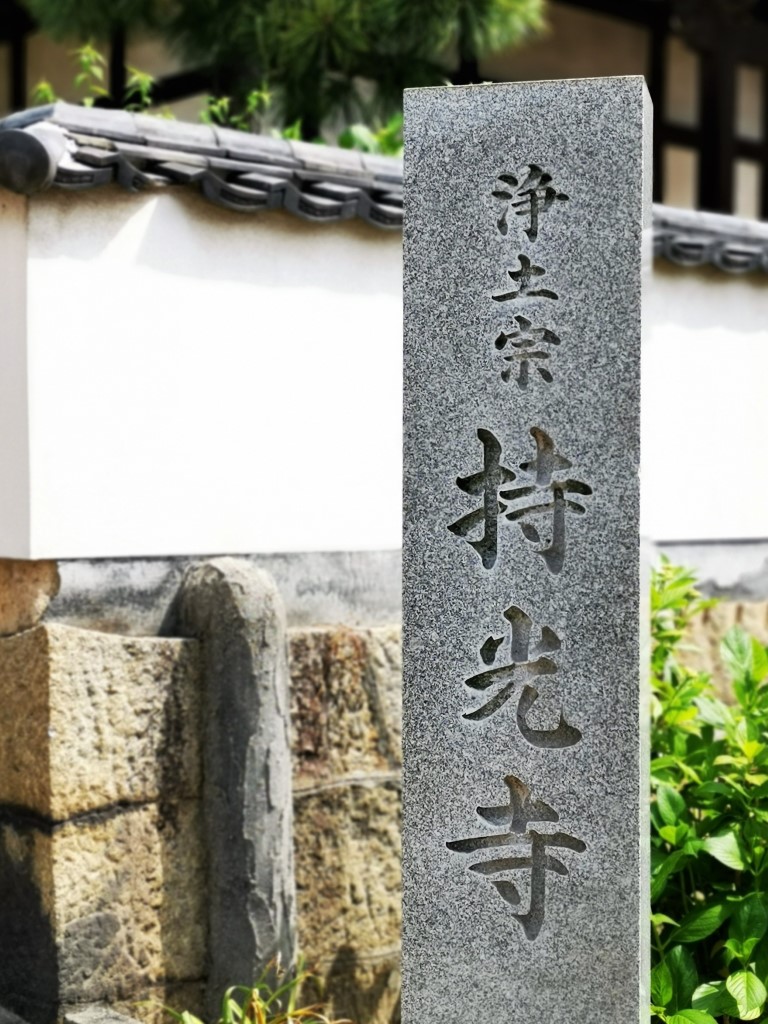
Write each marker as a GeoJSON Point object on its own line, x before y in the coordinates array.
{"type": "Point", "coordinates": [524, 870]}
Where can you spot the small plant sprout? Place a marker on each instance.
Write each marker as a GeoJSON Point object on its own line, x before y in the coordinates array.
{"type": "Point", "coordinates": [272, 999]}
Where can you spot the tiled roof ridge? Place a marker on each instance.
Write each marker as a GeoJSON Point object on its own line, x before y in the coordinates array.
{"type": "Point", "coordinates": [79, 147]}
{"type": "Point", "coordinates": [692, 238]}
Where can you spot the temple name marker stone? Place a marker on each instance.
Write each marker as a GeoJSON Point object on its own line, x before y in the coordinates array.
{"type": "Point", "coordinates": [525, 831]}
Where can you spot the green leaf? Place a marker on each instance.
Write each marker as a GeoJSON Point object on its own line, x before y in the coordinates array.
{"type": "Point", "coordinates": [725, 848]}
{"type": "Point", "coordinates": [748, 991]}
{"type": "Point", "coordinates": [665, 761]}
{"type": "Point", "coordinates": [759, 661]}
{"type": "Point", "coordinates": [710, 790]}
{"type": "Point", "coordinates": [671, 804]}
{"type": "Point", "coordinates": [702, 922]}
{"type": "Point", "coordinates": [713, 999]}
{"type": "Point", "coordinates": [662, 988]}
{"type": "Point", "coordinates": [740, 950]}
{"type": "Point", "coordinates": [668, 866]}
{"type": "Point", "coordinates": [673, 834]}
{"type": "Point", "coordinates": [750, 920]}
{"type": "Point", "coordinates": [736, 651]}
{"type": "Point", "coordinates": [691, 1017]}
{"type": "Point", "coordinates": [693, 846]}
{"type": "Point", "coordinates": [657, 919]}
{"type": "Point", "coordinates": [685, 978]}
{"type": "Point", "coordinates": [358, 136]}
{"type": "Point", "coordinates": [713, 711]}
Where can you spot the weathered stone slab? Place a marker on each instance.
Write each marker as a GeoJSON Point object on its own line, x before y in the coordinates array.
{"type": "Point", "coordinates": [95, 1015]}
{"type": "Point", "coordinates": [133, 595]}
{"type": "Point", "coordinates": [348, 890]}
{"type": "Point", "coordinates": [701, 646]}
{"type": "Point", "coordinates": [101, 908]}
{"type": "Point", "coordinates": [346, 694]}
{"type": "Point", "coordinates": [236, 613]}
{"type": "Point", "coordinates": [89, 720]}
{"type": "Point", "coordinates": [346, 706]}
{"type": "Point", "coordinates": [177, 995]}
{"type": "Point", "coordinates": [151, 1009]}
{"type": "Point", "coordinates": [525, 768]}
{"type": "Point", "coordinates": [26, 589]}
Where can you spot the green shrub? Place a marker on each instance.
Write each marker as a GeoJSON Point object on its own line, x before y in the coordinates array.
{"type": "Point", "coordinates": [709, 821]}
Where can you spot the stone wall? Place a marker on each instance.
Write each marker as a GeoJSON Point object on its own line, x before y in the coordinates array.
{"type": "Point", "coordinates": [708, 629]}
{"type": "Point", "coordinates": [346, 709]}
{"type": "Point", "coordinates": [101, 843]}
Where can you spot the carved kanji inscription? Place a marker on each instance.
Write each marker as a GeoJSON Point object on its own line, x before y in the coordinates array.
{"type": "Point", "coordinates": [539, 504]}
{"type": "Point", "coordinates": [512, 664]}
{"type": "Point", "coordinates": [525, 346]}
{"type": "Point", "coordinates": [514, 817]}
{"type": "Point", "coordinates": [528, 195]}
{"type": "Point", "coordinates": [522, 279]}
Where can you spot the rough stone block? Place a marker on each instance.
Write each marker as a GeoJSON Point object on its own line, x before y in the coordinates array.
{"type": "Point", "coordinates": [88, 720]}
{"type": "Point", "coordinates": [176, 995]}
{"type": "Point", "coordinates": [346, 691]}
{"type": "Point", "coordinates": [152, 1008]}
{"type": "Point", "coordinates": [348, 875]}
{"type": "Point", "coordinates": [95, 1015]}
{"type": "Point", "coordinates": [701, 650]}
{"type": "Point", "coordinates": [348, 895]}
{"type": "Point", "coordinates": [346, 696]}
{"type": "Point", "coordinates": [101, 908]}
{"type": "Point", "coordinates": [26, 589]}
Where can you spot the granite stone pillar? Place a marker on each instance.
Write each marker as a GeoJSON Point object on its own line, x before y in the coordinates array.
{"type": "Point", "coordinates": [525, 785]}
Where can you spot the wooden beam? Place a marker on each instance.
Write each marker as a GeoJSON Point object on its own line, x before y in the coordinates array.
{"type": "Point", "coordinates": [117, 75]}
{"type": "Point", "coordinates": [764, 146]}
{"type": "Point", "coordinates": [642, 12]}
{"type": "Point", "coordinates": [689, 137]}
{"type": "Point", "coordinates": [183, 85]}
{"type": "Point", "coordinates": [657, 86]}
{"type": "Point", "coordinates": [717, 149]}
{"type": "Point", "coordinates": [18, 72]}
{"type": "Point", "coordinates": [14, 21]}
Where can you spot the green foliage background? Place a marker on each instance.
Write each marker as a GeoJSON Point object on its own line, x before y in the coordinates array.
{"type": "Point", "coordinates": [709, 830]}
{"type": "Point", "coordinates": [319, 60]}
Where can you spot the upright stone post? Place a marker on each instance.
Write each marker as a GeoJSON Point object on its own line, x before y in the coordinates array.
{"type": "Point", "coordinates": [235, 611]}
{"type": "Point", "coordinates": [525, 836]}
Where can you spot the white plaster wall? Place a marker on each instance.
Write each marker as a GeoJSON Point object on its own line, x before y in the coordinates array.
{"type": "Point", "coordinates": [14, 394]}
{"type": "Point", "coordinates": [197, 381]}
{"type": "Point", "coordinates": [705, 406]}
{"type": "Point", "coordinates": [204, 381]}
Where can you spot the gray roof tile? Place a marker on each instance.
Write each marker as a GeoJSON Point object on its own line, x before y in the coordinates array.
{"type": "Point", "coordinates": [76, 147]}
{"type": "Point", "coordinates": [233, 169]}
{"type": "Point", "coordinates": [690, 238]}
{"type": "Point", "coordinates": [264, 148]}
{"type": "Point", "coordinates": [165, 133]}
{"type": "Point", "coordinates": [91, 121]}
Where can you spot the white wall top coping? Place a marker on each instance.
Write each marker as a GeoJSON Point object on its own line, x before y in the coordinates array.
{"type": "Point", "coordinates": [71, 147]}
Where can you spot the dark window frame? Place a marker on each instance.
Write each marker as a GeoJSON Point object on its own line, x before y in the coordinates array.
{"type": "Point", "coordinates": [714, 139]}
